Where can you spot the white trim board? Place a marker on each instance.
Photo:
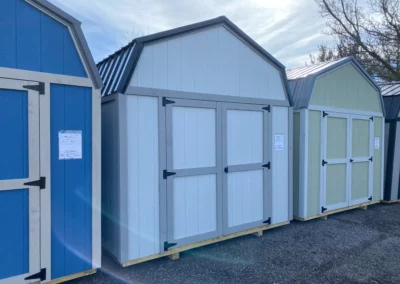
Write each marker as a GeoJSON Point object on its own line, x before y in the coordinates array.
{"type": "Point", "coordinates": [344, 111]}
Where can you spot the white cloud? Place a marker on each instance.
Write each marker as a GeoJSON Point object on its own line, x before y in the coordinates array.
{"type": "Point", "coordinates": [288, 29]}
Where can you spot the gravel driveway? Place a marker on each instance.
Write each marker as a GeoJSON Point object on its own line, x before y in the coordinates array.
{"type": "Point", "coordinates": [352, 247]}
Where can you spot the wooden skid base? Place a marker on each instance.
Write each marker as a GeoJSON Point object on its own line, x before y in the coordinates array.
{"type": "Point", "coordinates": [324, 215]}
{"type": "Point", "coordinates": [390, 201]}
{"type": "Point", "coordinates": [203, 243]}
{"type": "Point", "coordinates": [72, 277]}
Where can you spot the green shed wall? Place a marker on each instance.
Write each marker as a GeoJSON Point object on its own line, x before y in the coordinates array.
{"type": "Point", "coordinates": [346, 88]}
{"type": "Point", "coordinates": [314, 163]}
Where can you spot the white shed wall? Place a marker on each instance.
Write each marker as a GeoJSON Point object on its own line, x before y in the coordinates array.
{"type": "Point", "coordinates": [142, 176]}
{"type": "Point", "coordinates": [280, 166]}
{"type": "Point", "coordinates": [212, 61]}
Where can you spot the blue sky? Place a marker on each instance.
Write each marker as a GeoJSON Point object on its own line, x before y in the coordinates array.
{"type": "Point", "coordinates": [288, 29]}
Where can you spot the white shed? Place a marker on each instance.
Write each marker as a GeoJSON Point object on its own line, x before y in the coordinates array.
{"type": "Point", "coordinates": [197, 125]}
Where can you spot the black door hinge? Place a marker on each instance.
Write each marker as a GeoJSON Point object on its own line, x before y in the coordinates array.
{"type": "Point", "coordinates": [372, 118]}
{"type": "Point", "coordinates": [324, 114]}
{"type": "Point", "coordinates": [370, 199]}
{"type": "Point", "coordinates": [323, 209]}
{"type": "Point", "coordinates": [166, 102]}
{"type": "Point", "coordinates": [268, 166]}
{"type": "Point", "coordinates": [41, 183]}
{"type": "Point", "coordinates": [268, 108]}
{"type": "Point", "coordinates": [168, 245]}
{"type": "Point", "coordinates": [38, 88]}
{"type": "Point", "coordinates": [167, 174]}
{"type": "Point", "coordinates": [41, 275]}
{"type": "Point", "coordinates": [268, 221]}
{"type": "Point", "coordinates": [371, 159]}
{"type": "Point", "coordinates": [226, 170]}
{"type": "Point", "coordinates": [324, 163]}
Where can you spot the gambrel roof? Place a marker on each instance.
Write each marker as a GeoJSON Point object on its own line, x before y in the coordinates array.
{"type": "Point", "coordinates": [77, 32]}
{"type": "Point", "coordinates": [117, 69]}
{"type": "Point", "coordinates": [302, 80]}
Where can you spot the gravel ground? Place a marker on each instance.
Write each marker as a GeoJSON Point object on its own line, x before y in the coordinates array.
{"type": "Point", "coordinates": [351, 247]}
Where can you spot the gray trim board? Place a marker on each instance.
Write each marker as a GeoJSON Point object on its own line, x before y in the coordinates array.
{"type": "Point", "coordinates": [190, 172]}
{"type": "Point", "coordinates": [302, 87]}
{"type": "Point", "coordinates": [267, 196]}
{"type": "Point", "coordinates": [200, 96]}
{"type": "Point", "coordinates": [78, 33]}
{"type": "Point", "coordinates": [141, 41]}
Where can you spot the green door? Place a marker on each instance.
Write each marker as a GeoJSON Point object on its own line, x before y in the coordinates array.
{"type": "Point", "coordinates": [335, 163]}
{"type": "Point", "coordinates": [361, 159]}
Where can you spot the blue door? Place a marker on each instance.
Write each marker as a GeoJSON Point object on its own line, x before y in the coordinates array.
{"type": "Point", "coordinates": [19, 173]}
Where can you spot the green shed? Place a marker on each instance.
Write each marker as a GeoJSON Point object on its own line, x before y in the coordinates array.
{"type": "Point", "coordinates": [338, 138]}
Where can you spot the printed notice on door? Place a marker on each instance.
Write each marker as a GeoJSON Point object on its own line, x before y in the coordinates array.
{"type": "Point", "coordinates": [279, 142]}
{"type": "Point", "coordinates": [377, 143]}
{"type": "Point", "coordinates": [70, 145]}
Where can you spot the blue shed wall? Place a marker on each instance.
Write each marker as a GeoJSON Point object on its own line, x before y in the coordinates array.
{"type": "Point", "coordinates": [71, 183]}
{"type": "Point", "coordinates": [14, 164]}
{"type": "Point", "coordinates": [32, 40]}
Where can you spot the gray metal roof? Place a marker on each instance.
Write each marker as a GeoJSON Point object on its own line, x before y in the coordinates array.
{"type": "Point", "coordinates": [302, 80]}
{"type": "Point", "coordinates": [303, 72]}
{"type": "Point", "coordinates": [118, 77]}
{"type": "Point", "coordinates": [79, 36]}
{"type": "Point", "coordinates": [390, 89]}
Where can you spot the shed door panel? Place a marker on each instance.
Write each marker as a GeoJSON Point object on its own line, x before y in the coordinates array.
{"type": "Point", "coordinates": [192, 189]}
{"type": "Point", "coordinates": [19, 203]}
{"type": "Point", "coordinates": [361, 159]}
{"type": "Point", "coordinates": [246, 155]}
{"type": "Point", "coordinates": [336, 163]}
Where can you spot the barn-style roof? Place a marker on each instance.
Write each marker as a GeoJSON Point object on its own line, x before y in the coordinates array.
{"type": "Point", "coordinates": [302, 79]}
{"type": "Point", "coordinates": [76, 29]}
{"type": "Point", "coordinates": [117, 69]}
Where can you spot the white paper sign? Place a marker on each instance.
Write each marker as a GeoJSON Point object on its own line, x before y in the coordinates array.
{"type": "Point", "coordinates": [279, 142]}
{"type": "Point", "coordinates": [70, 145]}
{"type": "Point", "coordinates": [377, 143]}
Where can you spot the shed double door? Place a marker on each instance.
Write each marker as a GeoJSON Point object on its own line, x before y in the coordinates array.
{"type": "Point", "coordinates": [217, 169]}
{"type": "Point", "coordinates": [19, 173]}
{"type": "Point", "coordinates": [347, 165]}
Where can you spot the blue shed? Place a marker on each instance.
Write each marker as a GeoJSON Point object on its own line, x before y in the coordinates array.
{"type": "Point", "coordinates": [49, 146]}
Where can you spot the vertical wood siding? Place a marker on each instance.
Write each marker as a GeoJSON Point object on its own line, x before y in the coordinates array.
{"type": "Point", "coordinates": [194, 137]}
{"type": "Point", "coordinates": [143, 180]}
{"type": "Point", "coordinates": [212, 61]}
{"type": "Point", "coordinates": [346, 88]}
{"type": "Point", "coordinates": [195, 205]}
{"type": "Point", "coordinates": [71, 183]}
{"type": "Point", "coordinates": [280, 166]}
{"type": "Point", "coordinates": [244, 137]}
{"type": "Point", "coordinates": [245, 197]}
{"type": "Point", "coordinates": [32, 40]}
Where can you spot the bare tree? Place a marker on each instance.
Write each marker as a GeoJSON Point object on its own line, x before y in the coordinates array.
{"type": "Point", "coordinates": [371, 33]}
